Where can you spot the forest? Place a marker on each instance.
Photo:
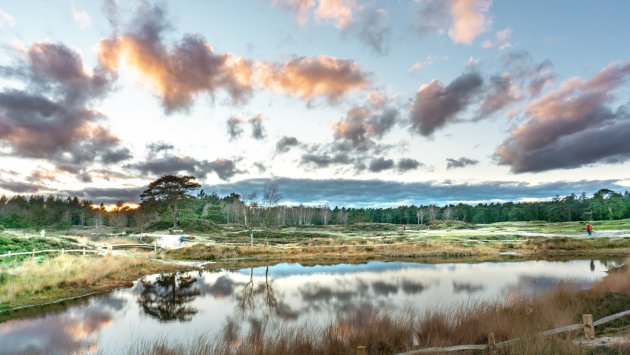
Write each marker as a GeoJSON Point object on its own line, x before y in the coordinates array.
{"type": "Point", "coordinates": [198, 211]}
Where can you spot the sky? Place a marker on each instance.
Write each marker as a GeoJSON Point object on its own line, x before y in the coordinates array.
{"type": "Point", "coordinates": [340, 102]}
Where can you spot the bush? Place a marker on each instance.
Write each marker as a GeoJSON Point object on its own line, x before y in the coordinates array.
{"type": "Point", "coordinates": [450, 224]}
{"type": "Point", "coordinates": [198, 225]}
{"type": "Point", "coordinates": [366, 227]}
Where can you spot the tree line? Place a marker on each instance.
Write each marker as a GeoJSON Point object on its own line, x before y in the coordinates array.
{"type": "Point", "coordinates": [179, 202]}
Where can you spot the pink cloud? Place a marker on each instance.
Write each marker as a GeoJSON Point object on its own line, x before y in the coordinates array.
{"type": "Point", "coordinates": [470, 19]}
{"type": "Point", "coordinates": [338, 11]}
{"type": "Point", "coordinates": [557, 120]}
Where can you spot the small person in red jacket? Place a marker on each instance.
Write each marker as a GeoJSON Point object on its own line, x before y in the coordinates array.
{"type": "Point", "coordinates": [589, 229]}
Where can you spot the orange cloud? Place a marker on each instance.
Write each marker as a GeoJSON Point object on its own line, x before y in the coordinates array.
{"type": "Point", "coordinates": [339, 11]}
{"type": "Point", "coordinates": [312, 77]}
{"type": "Point", "coordinates": [179, 74]}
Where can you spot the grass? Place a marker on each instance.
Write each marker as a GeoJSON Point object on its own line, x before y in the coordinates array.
{"type": "Point", "coordinates": [406, 247]}
{"type": "Point", "coordinates": [468, 323]}
{"type": "Point", "coordinates": [18, 244]}
{"type": "Point", "coordinates": [37, 281]}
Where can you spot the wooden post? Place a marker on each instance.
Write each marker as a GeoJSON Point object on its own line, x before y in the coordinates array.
{"type": "Point", "coordinates": [361, 350]}
{"type": "Point", "coordinates": [63, 251]}
{"type": "Point", "coordinates": [589, 330]}
{"type": "Point", "coordinates": [492, 344]}
{"type": "Point", "coordinates": [9, 254]}
{"type": "Point", "coordinates": [33, 255]}
{"type": "Point", "coordinates": [109, 249]}
{"type": "Point", "coordinates": [155, 247]}
{"type": "Point", "coordinates": [415, 341]}
{"type": "Point", "coordinates": [83, 251]}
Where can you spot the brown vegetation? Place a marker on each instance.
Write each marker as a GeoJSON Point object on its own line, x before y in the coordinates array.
{"type": "Point", "coordinates": [395, 248]}
{"type": "Point", "coordinates": [38, 281]}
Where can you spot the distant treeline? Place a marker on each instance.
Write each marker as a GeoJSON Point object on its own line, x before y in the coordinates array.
{"type": "Point", "coordinates": [204, 212]}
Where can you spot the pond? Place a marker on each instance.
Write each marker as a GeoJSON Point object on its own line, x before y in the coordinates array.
{"type": "Point", "coordinates": [185, 305]}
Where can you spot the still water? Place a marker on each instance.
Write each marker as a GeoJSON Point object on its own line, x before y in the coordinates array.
{"type": "Point", "coordinates": [185, 305]}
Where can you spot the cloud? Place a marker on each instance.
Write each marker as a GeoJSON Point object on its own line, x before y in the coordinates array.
{"type": "Point", "coordinates": [258, 130]}
{"type": "Point", "coordinates": [428, 61]}
{"type": "Point", "coordinates": [299, 8]}
{"type": "Point", "coordinates": [606, 143]}
{"type": "Point", "coordinates": [460, 163]}
{"type": "Point", "coordinates": [364, 21]}
{"type": "Point", "coordinates": [542, 77]}
{"type": "Point", "coordinates": [527, 73]}
{"type": "Point", "coordinates": [261, 167]}
{"type": "Point", "coordinates": [407, 164]}
{"type": "Point", "coordinates": [286, 143]}
{"type": "Point", "coordinates": [324, 160]}
{"type": "Point", "coordinates": [342, 154]}
{"type": "Point", "coordinates": [363, 193]}
{"type": "Point", "coordinates": [178, 73]}
{"type": "Point", "coordinates": [370, 28]}
{"type": "Point", "coordinates": [52, 118]}
{"type": "Point", "coordinates": [435, 104]}
{"type": "Point", "coordinates": [337, 11]}
{"type": "Point", "coordinates": [384, 289]}
{"type": "Point", "coordinates": [379, 164]}
{"type": "Point", "coordinates": [501, 40]}
{"type": "Point", "coordinates": [224, 168]}
{"type": "Point", "coordinates": [502, 93]}
{"type": "Point", "coordinates": [20, 187]}
{"type": "Point", "coordinates": [234, 129]}
{"type": "Point", "coordinates": [161, 161]}
{"type": "Point", "coordinates": [465, 19]}
{"type": "Point", "coordinates": [341, 13]}
{"type": "Point", "coordinates": [82, 18]}
{"type": "Point", "coordinates": [574, 123]}
{"type": "Point", "coordinates": [6, 19]}
{"type": "Point", "coordinates": [159, 147]}
{"type": "Point", "coordinates": [362, 124]}
{"type": "Point", "coordinates": [113, 156]}
{"type": "Point", "coordinates": [314, 77]}
{"type": "Point", "coordinates": [353, 192]}
{"type": "Point", "coordinates": [470, 19]}
{"type": "Point", "coordinates": [108, 195]}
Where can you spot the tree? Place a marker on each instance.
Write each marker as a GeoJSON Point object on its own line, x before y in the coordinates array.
{"type": "Point", "coordinates": [250, 208]}
{"type": "Point", "coordinates": [271, 197]}
{"type": "Point", "coordinates": [420, 215]}
{"type": "Point", "coordinates": [168, 298]}
{"type": "Point", "coordinates": [169, 191]}
{"type": "Point", "coordinates": [271, 194]}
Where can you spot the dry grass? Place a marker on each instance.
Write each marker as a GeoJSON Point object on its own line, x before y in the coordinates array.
{"type": "Point", "coordinates": [332, 249]}
{"type": "Point", "coordinates": [35, 281]}
{"type": "Point", "coordinates": [380, 333]}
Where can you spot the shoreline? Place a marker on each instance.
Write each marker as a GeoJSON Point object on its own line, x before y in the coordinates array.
{"type": "Point", "coordinates": [155, 266]}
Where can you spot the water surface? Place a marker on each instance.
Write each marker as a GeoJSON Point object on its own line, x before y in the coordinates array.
{"type": "Point", "coordinates": [185, 305]}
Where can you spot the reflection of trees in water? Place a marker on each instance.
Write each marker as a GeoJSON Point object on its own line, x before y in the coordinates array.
{"type": "Point", "coordinates": [467, 287]}
{"type": "Point", "coordinates": [167, 297]}
{"type": "Point", "coordinates": [261, 299]}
